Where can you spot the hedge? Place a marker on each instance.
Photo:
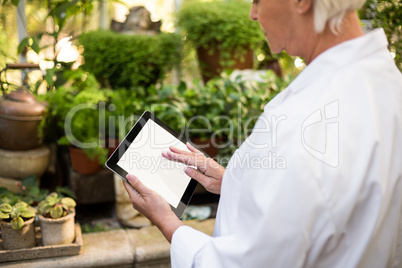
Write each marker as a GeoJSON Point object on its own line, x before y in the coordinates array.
{"type": "Point", "coordinates": [125, 61]}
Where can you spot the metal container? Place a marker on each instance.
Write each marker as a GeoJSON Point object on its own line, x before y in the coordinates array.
{"type": "Point", "coordinates": [20, 116]}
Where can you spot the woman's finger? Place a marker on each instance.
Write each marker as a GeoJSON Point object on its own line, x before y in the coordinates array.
{"type": "Point", "coordinates": [193, 149]}
{"type": "Point", "coordinates": [179, 151]}
{"type": "Point", "coordinates": [190, 160]}
{"type": "Point", "coordinates": [137, 184]}
{"type": "Point", "coordinates": [197, 175]}
{"type": "Point", "coordinates": [211, 184]}
{"type": "Point", "coordinates": [135, 196]}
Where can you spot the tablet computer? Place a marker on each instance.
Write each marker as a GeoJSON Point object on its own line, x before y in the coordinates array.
{"type": "Point", "coordinates": [140, 154]}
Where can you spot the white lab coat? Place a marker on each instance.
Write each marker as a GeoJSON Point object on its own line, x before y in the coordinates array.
{"type": "Point", "coordinates": [319, 181]}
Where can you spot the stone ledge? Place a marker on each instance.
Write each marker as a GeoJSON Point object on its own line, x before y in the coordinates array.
{"type": "Point", "coordinates": [144, 247]}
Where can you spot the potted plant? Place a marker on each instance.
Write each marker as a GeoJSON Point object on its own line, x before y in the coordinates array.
{"type": "Point", "coordinates": [17, 225]}
{"type": "Point", "coordinates": [222, 34]}
{"type": "Point", "coordinates": [57, 219]}
{"type": "Point", "coordinates": [77, 112]}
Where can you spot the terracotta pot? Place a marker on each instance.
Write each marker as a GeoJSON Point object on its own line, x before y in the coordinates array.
{"type": "Point", "coordinates": [210, 62]}
{"type": "Point", "coordinates": [57, 231]}
{"type": "Point", "coordinates": [17, 239]}
{"type": "Point", "coordinates": [82, 163]}
{"type": "Point", "coordinates": [20, 116]}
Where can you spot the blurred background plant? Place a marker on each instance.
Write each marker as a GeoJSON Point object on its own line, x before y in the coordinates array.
{"type": "Point", "coordinates": [128, 61]}
{"type": "Point", "coordinates": [388, 15]}
{"type": "Point", "coordinates": [49, 25]}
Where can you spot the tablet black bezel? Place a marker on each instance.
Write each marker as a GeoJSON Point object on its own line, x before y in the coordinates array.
{"type": "Point", "coordinates": [111, 163]}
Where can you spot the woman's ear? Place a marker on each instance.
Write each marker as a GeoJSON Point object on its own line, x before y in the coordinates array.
{"type": "Point", "coordinates": [303, 6]}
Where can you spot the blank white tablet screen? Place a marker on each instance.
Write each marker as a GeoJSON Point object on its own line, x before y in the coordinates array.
{"type": "Point", "coordinates": [144, 159]}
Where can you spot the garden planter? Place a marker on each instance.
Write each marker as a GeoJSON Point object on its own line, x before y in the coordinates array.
{"type": "Point", "coordinates": [20, 117]}
{"type": "Point", "coordinates": [18, 239]}
{"type": "Point", "coordinates": [57, 231]}
{"type": "Point", "coordinates": [82, 163]}
{"type": "Point", "coordinates": [211, 66]}
{"type": "Point", "coordinates": [22, 164]}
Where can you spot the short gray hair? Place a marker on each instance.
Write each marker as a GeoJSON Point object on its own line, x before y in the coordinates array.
{"type": "Point", "coordinates": [332, 12]}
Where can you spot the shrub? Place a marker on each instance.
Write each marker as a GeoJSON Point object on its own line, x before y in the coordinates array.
{"type": "Point", "coordinates": [124, 61]}
{"type": "Point", "coordinates": [224, 25]}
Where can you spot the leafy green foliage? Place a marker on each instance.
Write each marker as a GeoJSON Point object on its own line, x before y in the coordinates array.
{"type": "Point", "coordinates": [220, 24]}
{"type": "Point", "coordinates": [59, 13]}
{"type": "Point", "coordinates": [16, 214]}
{"type": "Point", "coordinates": [126, 61]}
{"type": "Point", "coordinates": [56, 207]}
{"type": "Point", "coordinates": [388, 15]}
{"type": "Point", "coordinates": [30, 192]}
{"type": "Point", "coordinates": [29, 42]}
{"type": "Point", "coordinates": [232, 106]}
{"type": "Point", "coordinates": [5, 209]}
{"type": "Point", "coordinates": [8, 197]}
{"type": "Point", "coordinates": [77, 113]}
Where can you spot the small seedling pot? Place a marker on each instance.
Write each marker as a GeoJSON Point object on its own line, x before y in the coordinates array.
{"type": "Point", "coordinates": [57, 231]}
{"type": "Point", "coordinates": [18, 239]}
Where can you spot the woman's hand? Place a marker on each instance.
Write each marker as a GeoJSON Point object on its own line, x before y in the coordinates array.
{"type": "Point", "coordinates": [153, 206]}
{"type": "Point", "coordinates": [209, 172]}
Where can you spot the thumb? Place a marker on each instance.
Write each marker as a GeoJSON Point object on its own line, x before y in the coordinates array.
{"type": "Point", "coordinates": [137, 184]}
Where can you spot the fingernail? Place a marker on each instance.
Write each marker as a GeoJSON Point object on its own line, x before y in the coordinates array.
{"type": "Point", "coordinates": [187, 170]}
{"type": "Point", "coordinates": [129, 177]}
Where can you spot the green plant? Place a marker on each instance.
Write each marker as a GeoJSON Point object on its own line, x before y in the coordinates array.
{"type": "Point", "coordinates": [78, 115]}
{"type": "Point", "coordinates": [60, 13]}
{"type": "Point", "coordinates": [31, 193]}
{"type": "Point", "coordinates": [56, 207]}
{"type": "Point", "coordinates": [6, 196]}
{"type": "Point", "coordinates": [388, 15]}
{"type": "Point", "coordinates": [222, 25]}
{"type": "Point", "coordinates": [124, 108]}
{"type": "Point", "coordinates": [17, 214]}
{"type": "Point", "coordinates": [127, 61]}
{"type": "Point", "coordinates": [233, 104]}
{"type": "Point", "coordinates": [168, 104]}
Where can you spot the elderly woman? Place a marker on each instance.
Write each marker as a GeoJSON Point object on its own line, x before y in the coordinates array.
{"type": "Point", "coordinates": [337, 201]}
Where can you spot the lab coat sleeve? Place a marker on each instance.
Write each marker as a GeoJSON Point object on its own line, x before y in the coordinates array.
{"type": "Point", "coordinates": [273, 229]}
{"type": "Point", "coordinates": [186, 242]}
